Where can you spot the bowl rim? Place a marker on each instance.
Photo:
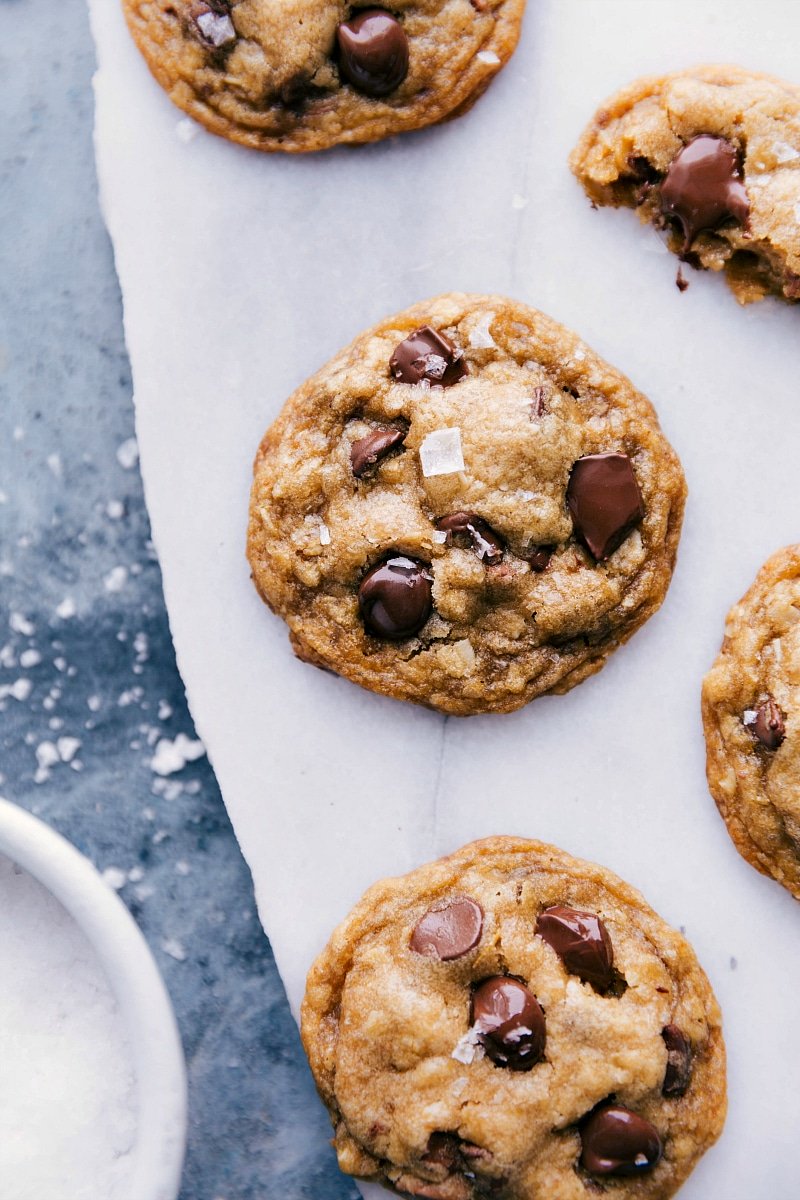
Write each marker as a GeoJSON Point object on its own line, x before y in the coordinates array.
{"type": "Point", "coordinates": [158, 1059]}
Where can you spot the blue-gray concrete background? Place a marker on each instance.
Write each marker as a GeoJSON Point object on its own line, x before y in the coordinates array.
{"type": "Point", "coordinates": [85, 649]}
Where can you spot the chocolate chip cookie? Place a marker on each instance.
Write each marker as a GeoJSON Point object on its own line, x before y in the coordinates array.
{"type": "Point", "coordinates": [295, 75]}
{"type": "Point", "coordinates": [751, 707]}
{"type": "Point", "coordinates": [466, 508]}
{"type": "Point", "coordinates": [713, 156]}
{"type": "Point", "coordinates": [512, 1022]}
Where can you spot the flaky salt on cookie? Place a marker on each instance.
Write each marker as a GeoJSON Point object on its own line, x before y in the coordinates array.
{"type": "Point", "coordinates": [751, 717]}
{"type": "Point", "coordinates": [513, 1022]}
{"type": "Point", "coordinates": [466, 508]}
{"type": "Point", "coordinates": [299, 75]}
{"type": "Point", "coordinates": [713, 156]}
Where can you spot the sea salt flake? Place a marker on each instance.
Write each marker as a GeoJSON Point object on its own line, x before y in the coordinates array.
{"type": "Point", "coordinates": [93, 703]}
{"type": "Point", "coordinates": [488, 56]}
{"type": "Point", "coordinates": [186, 130]}
{"type": "Point", "coordinates": [128, 454]}
{"type": "Point", "coordinates": [67, 748]}
{"type": "Point", "coordinates": [324, 534]}
{"type": "Point", "coordinates": [115, 509]}
{"type": "Point", "coordinates": [20, 624]}
{"type": "Point", "coordinates": [784, 152]}
{"type": "Point", "coordinates": [47, 755]}
{"type": "Point", "coordinates": [29, 658]}
{"type": "Point", "coordinates": [66, 609]}
{"type": "Point", "coordinates": [174, 949]}
{"type": "Point", "coordinates": [164, 710]}
{"type": "Point", "coordinates": [468, 1048]}
{"type": "Point", "coordinates": [116, 579]}
{"type": "Point", "coordinates": [440, 453]}
{"type": "Point", "coordinates": [19, 690]}
{"type": "Point", "coordinates": [480, 338]}
{"type": "Point", "coordinates": [439, 536]}
{"type": "Point", "coordinates": [171, 757]}
{"type": "Point", "coordinates": [115, 878]}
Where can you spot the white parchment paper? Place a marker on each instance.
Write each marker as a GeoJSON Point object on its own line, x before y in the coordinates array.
{"type": "Point", "coordinates": [242, 273]}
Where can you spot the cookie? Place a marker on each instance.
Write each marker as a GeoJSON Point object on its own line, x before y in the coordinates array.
{"type": "Point", "coordinates": [751, 710]}
{"type": "Point", "coordinates": [299, 75]}
{"type": "Point", "coordinates": [466, 508]}
{"type": "Point", "coordinates": [513, 1022]}
{"type": "Point", "coordinates": [713, 156]}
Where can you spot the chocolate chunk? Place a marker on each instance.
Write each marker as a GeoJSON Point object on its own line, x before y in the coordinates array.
{"type": "Point", "coordinates": [615, 1141]}
{"type": "Point", "coordinates": [448, 1150]}
{"type": "Point", "coordinates": [394, 597]}
{"type": "Point", "coordinates": [679, 1062]}
{"type": "Point", "coordinates": [487, 544]}
{"type": "Point", "coordinates": [703, 187]}
{"type": "Point", "coordinates": [510, 1023]}
{"type": "Point", "coordinates": [373, 52]}
{"type": "Point", "coordinates": [642, 170]}
{"type": "Point", "coordinates": [449, 929]}
{"type": "Point", "coordinates": [767, 723]}
{"type": "Point", "coordinates": [369, 450]}
{"type": "Point", "coordinates": [428, 355]}
{"type": "Point", "coordinates": [604, 501]}
{"type": "Point", "coordinates": [538, 557]}
{"type": "Point", "coordinates": [581, 941]}
{"type": "Point", "coordinates": [214, 24]}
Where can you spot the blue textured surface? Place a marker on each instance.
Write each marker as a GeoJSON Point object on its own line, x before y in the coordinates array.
{"type": "Point", "coordinates": [72, 515]}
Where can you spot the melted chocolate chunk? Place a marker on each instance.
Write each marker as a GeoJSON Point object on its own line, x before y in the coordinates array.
{"type": "Point", "coordinates": [213, 23]}
{"type": "Point", "coordinates": [487, 544]}
{"type": "Point", "coordinates": [703, 187]}
{"type": "Point", "coordinates": [679, 1062]}
{"type": "Point", "coordinates": [616, 1141]}
{"type": "Point", "coordinates": [428, 355]}
{"type": "Point", "coordinates": [767, 724]}
{"type": "Point", "coordinates": [510, 1023]}
{"type": "Point", "coordinates": [539, 557]}
{"type": "Point", "coordinates": [373, 52]}
{"type": "Point", "coordinates": [448, 1150]}
{"type": "Point", "coordinates": [395, 597]}
{"type": "Point", "coordinates": [449, 929]}
{"type": "Point", "coordinates": [369, 450]}
{"type": "Point", "coordinates": [604, 501]}
{"type": "Point", "coordinates": [581, 941]}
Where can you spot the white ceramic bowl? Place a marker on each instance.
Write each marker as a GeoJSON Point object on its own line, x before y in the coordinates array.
{"type": "Point", "coordinates": [158, 1062]}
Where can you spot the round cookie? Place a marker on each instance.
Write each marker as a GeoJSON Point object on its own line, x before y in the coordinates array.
{"type": "Point", "coordinates": [751, 718]}
{"type": "Point", "coordinates": [512, 1022]}
{"type": "Point", "coordinates": [466, 508]}
{"type": "Point", "coordinates": [295, 75]}
{"type": "Point", "coordinates": [713, 155]}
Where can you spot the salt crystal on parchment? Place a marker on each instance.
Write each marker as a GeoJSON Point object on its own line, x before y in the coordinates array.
{"type": "Point", "coordinates": [440, 453]}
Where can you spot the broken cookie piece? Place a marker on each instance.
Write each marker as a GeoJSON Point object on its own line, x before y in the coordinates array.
{"type": "Point", "coordinates": [711, 156]}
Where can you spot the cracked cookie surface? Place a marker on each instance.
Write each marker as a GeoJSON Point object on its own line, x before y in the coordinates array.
{"type": "Point", "coordinates": [466, 508]}
{"type": "Point", "coordinates": [297, 76]}
{"type": "Point", "coordinates": [511, 943]}
{"type": "Point", "coordinates": [713, 155]}
{"type": "Point", "coordinates": [751, 715]}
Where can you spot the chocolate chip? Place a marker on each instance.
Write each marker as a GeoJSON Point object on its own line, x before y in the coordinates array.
{"type": "Point", "coordinates": [538, 557]}
{"type": "Point", "coordinates": [616, 1141]}
{"type": "Point", "coordinates": [369, 450]}
{"type": "Point", "coordinates": [373, 52]}
{"type": "Point", "coordinates": [703, 187]}
{"type": "Point", "coordinates": [510, 1023]}
{"type": "Point", "coordinates": [604, 501]}
{"type": "Point", "coordinates": [213, 23]}
{"type": "Point", "coordinates": [767, 723]}
{"type": "Point", "coordinates": [394, 597]}
{"type": "Point", "coordinates": [487, 544]}
{"type": "Point", "coordinates": [449, 929]}
{"type": "Point", "coordinates": [448, 1150]}
{"type": "Point", "coordinates": [429, 355]}
{"type": "Point", "coordinates": [679, 1062]}
{"type": "Point", "coordinates": [581, 941]}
